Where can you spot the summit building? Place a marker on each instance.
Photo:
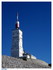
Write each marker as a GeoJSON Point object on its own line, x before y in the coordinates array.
{"type": "Point", "coordinates": [17, 41]}
{"type": "Point", "coordinates": [17, 50]}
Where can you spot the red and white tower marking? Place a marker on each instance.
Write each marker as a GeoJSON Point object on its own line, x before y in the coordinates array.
{"type": "Point", "coordinates": [17, 22]}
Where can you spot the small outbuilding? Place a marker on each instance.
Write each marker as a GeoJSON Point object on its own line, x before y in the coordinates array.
{"type": "Point", "coordinates": [28, 56]}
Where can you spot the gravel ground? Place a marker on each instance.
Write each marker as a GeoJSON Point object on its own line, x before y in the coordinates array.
{"type": "Point", "coordinates": [11, 62]}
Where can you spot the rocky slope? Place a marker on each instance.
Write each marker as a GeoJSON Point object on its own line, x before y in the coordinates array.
{"type": "Point", "coordinates": [11, 62]}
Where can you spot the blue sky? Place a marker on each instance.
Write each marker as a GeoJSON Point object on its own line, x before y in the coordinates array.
{"type": "Point", "coordinates": [35, 22]}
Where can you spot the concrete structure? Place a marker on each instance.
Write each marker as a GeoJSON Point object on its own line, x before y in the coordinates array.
{"type": "Point", "coordinates": [27, 55]}
{"type": "Point", "coordinates": [17, 43]}
{"type": "Point", "coordinates": [33, 57]}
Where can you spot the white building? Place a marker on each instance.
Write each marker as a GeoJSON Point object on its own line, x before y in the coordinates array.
{"type": "Point", "coordinates": [27, 55]}
{"type": "Point", "coordinates": [17, 42]}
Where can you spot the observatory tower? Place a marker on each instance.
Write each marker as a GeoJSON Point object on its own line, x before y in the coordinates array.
{"type": "Point", "coordinates": [17, 42]}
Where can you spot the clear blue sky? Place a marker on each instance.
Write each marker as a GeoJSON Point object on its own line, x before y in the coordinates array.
{"type": "Point", "coordinates": [35, 22]}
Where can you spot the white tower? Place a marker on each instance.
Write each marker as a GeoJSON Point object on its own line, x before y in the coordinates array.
{"type": "Point", "coordinates": [17, 43]}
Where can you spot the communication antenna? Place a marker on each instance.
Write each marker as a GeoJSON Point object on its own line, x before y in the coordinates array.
{"type": "Point", "coordinates": [17, 22]}
{"type": "Point", "coordinates": [17, 16]}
